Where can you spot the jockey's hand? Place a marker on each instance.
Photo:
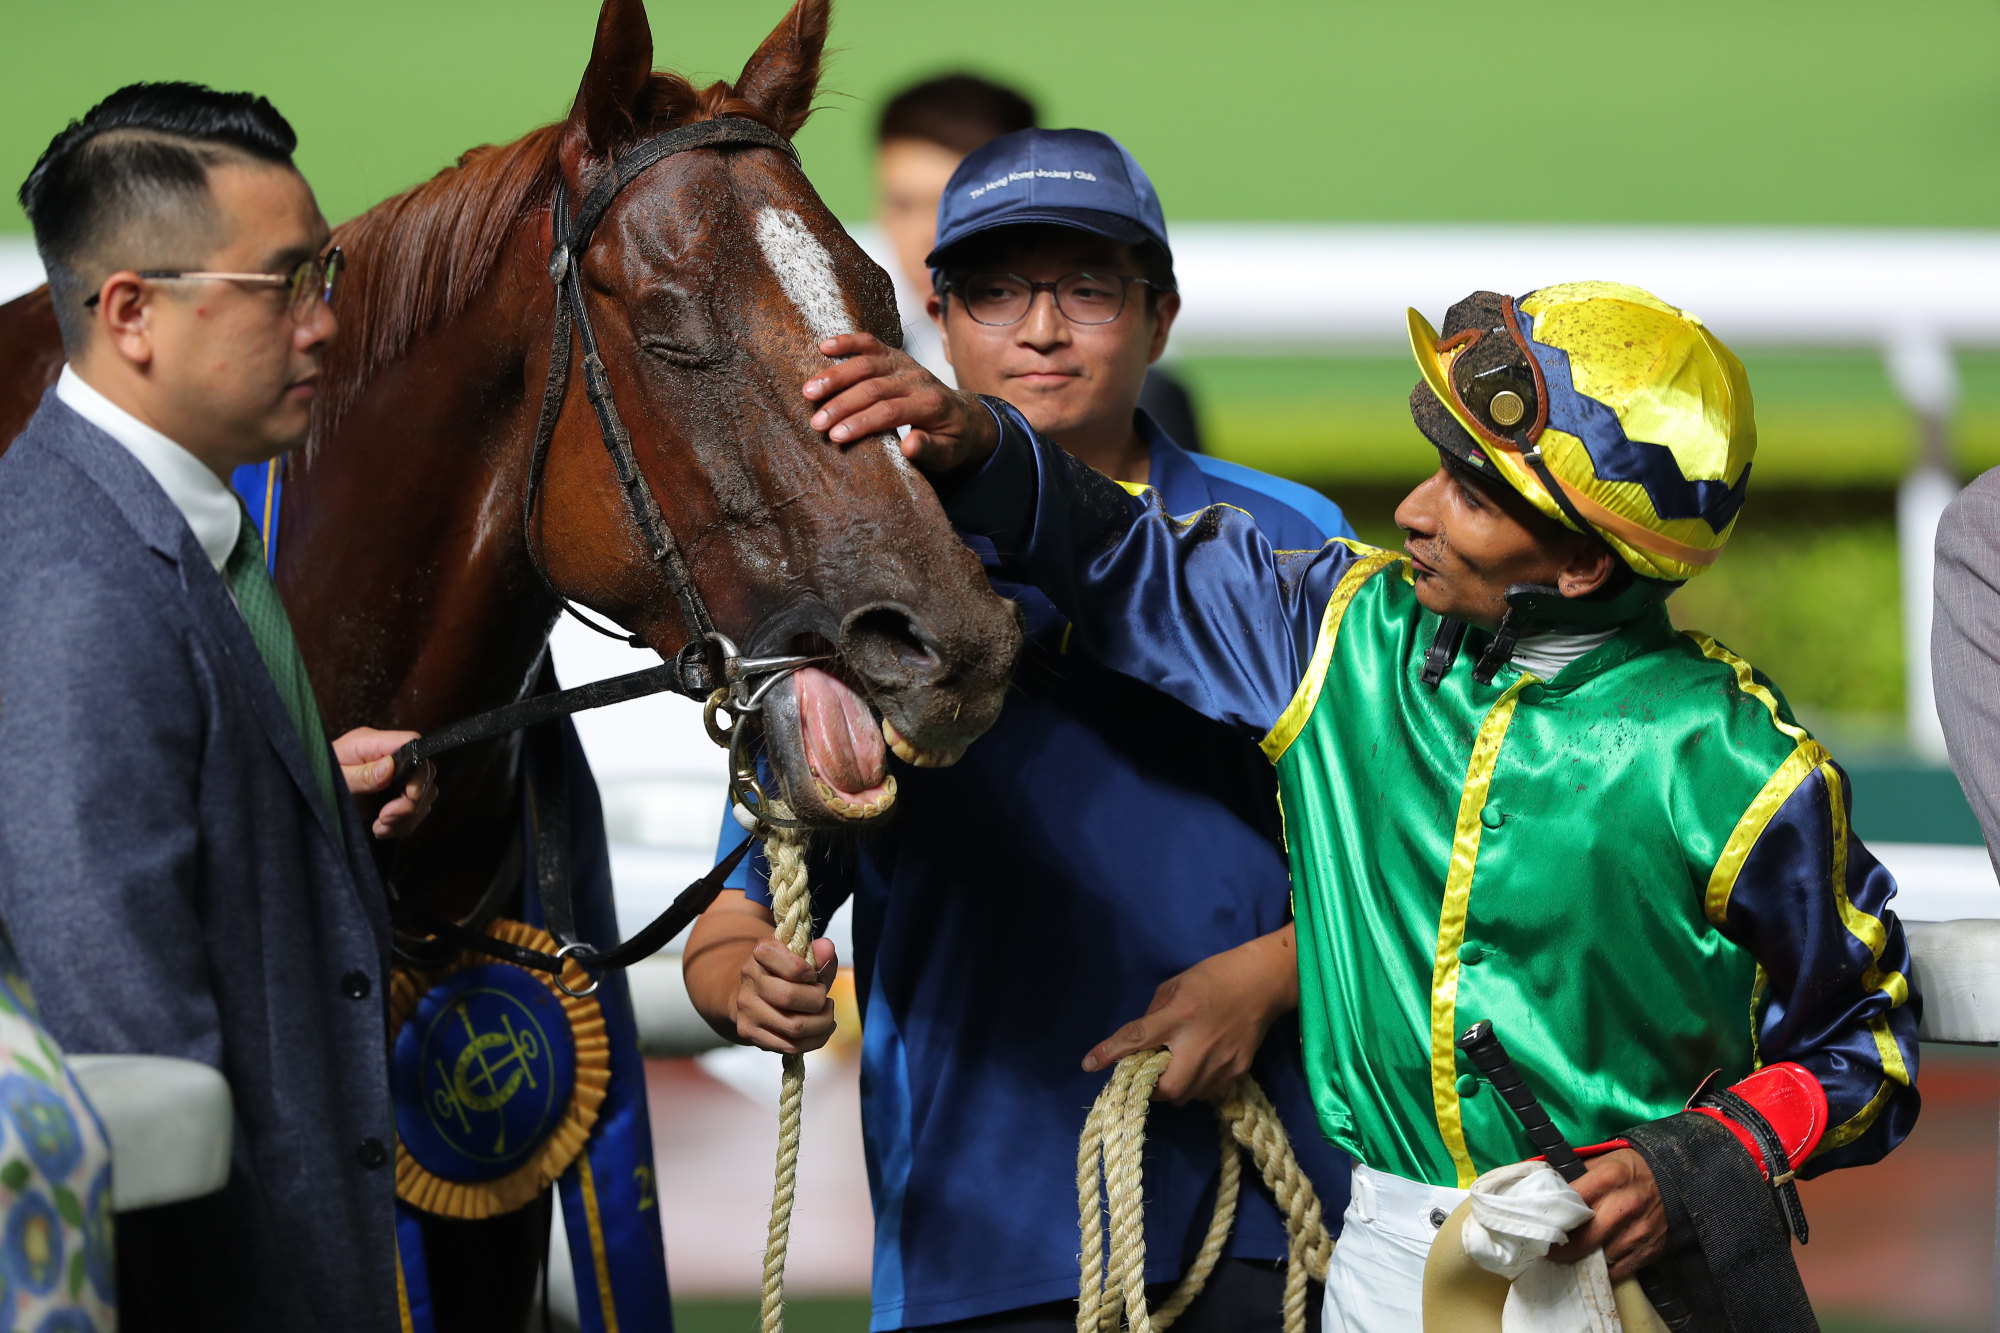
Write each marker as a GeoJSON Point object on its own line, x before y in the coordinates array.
{"type": "Point", "coordinates": [1211, 1018]}
{"type": "Point", "coordinates": [367, 762]}
{"type": "Point", "coordinates": [781, 1001]}
{"type": "Point", "coordinates": [874, 389]}
{"type": "Point", "coordinates": [1629, 1223]}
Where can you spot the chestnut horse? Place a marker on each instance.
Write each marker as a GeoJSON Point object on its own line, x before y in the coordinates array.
{"type": "Point", "coordinates": [404, 560]}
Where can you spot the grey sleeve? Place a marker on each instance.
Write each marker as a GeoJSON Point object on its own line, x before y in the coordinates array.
{"type": "Point", "coordinates": [1965, 647]}
{"type": "Point", "coordinates": [101, 727]}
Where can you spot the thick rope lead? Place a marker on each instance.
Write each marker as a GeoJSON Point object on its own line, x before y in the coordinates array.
{"type": "Point", "coordinates": [1110, 1199]}
{"type": "Point", "coordinates": [791, 904]}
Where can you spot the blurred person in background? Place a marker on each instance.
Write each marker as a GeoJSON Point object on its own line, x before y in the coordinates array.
{"type": "Point", "coordinates": [1102, 857]}
{"type": "Point", "coordinates": [922, 135]}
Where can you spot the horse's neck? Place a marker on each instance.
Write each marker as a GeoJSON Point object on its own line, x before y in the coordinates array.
{"type": "Point", "coordinates": [403, 556]}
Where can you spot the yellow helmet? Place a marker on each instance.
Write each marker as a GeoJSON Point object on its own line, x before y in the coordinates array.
{"type": "Point", "coordinates": [1613, 413]}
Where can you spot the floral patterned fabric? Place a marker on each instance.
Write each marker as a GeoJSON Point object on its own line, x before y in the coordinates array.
{"type": "Point", "coordinates": [56, 1271]}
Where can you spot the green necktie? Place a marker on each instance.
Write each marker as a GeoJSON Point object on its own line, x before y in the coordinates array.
{"type": "Point", "coordinates": [271, 628]}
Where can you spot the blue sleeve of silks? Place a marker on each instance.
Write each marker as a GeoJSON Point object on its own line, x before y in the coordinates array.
{"type": "Point", "coordinates": [1812, 904]}
{"type": "Point", "coordinates": [1199, 606]}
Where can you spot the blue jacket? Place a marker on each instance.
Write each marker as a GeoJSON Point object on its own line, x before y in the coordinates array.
{"type": "Point", "coordinates": [176, 886]}
{"type": "Point", "coordinates": [1021, 906]}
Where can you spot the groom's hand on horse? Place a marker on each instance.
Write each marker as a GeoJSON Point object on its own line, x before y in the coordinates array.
{"type": "Point", "coordinates": [873, 389]}
{"type": "Point", "coordinates": [1211, 1018]}
{"type": "Point", "coordinates": [368, 763]}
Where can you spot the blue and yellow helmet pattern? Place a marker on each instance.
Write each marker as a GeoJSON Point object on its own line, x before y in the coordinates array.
{"type": "Point", "coordinates": [1611, 411]}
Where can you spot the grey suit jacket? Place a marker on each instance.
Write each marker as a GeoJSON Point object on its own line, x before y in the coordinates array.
{"type": "Point", "coordinates": [175, 886]}
{"type": "Point", "coordinates": [1965, 647]}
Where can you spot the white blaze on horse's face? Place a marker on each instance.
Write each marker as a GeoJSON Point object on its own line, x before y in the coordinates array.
{"type": "Point", "coordinates": [805, 270]}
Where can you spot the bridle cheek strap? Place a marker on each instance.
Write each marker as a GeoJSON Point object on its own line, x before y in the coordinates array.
{"type": "Point", "coordinates": [702, 663]}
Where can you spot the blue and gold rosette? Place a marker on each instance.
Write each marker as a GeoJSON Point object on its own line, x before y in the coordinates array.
{"type": "Point", "coordinates": [497, 1076]}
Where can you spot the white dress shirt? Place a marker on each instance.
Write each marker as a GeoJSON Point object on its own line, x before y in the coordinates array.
{"type": "Point", "coordinates": [211, 509]}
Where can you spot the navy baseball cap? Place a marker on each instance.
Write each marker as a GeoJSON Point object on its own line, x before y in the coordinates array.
{"type": "Point", "coordinates": [1071, 178]}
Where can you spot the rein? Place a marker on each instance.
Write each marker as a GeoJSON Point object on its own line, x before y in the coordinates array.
{"type": "Point", "coordinates": [708, 666]}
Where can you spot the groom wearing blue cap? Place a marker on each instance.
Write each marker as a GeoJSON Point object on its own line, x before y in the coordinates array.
{"type": "Point", "coordinates": [1103, 860]}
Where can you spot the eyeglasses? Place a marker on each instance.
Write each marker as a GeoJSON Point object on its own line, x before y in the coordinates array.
{"type": "Point", "coordinates": [317, 278]}
{"type": "Point", "coordinates": [1000, 299]}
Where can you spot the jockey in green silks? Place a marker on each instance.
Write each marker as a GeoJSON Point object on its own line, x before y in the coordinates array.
{"type": "Point", "coordinates": [1513, 791]}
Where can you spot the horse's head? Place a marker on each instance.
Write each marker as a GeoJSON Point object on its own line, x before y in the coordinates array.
{"type": "Point", "coordinates": [710, 282]}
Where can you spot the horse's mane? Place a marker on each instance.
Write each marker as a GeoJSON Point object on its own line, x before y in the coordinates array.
{"type": "Point", "coordinates": [415, 261]}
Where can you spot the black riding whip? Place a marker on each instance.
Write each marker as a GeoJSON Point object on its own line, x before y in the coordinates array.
{"type": "Point", "coordinates": [1481, 1045]}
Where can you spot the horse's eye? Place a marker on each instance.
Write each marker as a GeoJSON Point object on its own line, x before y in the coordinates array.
{"type": "Point", "coordinates": [674, 328]}
{"type": "Point", "coordinates": [677, 353]}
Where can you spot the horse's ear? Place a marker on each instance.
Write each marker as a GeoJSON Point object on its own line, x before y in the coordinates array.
{"type": "Point", "coordinates": [781, 78]}
{"type": "Point", "coordinates": [614, 83]}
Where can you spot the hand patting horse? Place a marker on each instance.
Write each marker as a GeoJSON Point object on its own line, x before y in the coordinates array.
{"type": "Point", "coordinates": [405, 563]}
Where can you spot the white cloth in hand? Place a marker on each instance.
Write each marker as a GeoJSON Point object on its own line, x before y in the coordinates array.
{"type": "Point", "coordinates": [1518, 1213]}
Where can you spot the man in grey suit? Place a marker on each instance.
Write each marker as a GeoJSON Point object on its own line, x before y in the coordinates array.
{"type": "Point", "coordinates": [1965, 646]}
{"type": "Point", "coordinates": [181, 866]}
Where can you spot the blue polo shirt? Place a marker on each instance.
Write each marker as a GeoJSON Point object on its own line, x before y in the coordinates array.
{"type": "Point", "coordinates": [1019, 908]}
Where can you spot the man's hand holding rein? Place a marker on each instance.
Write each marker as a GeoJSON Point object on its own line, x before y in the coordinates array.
{"type": "Point", "coordinates": [873, 389]}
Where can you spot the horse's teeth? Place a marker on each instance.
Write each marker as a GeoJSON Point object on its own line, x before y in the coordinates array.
{"type": "Point", "coordinates": [910, 754]}
{"type": "Point", "coordinates": [848, 809]}
{"type": "Point", "coordinates": [901, 748]}
{"type": "Point", "coordinates": [832, 800]}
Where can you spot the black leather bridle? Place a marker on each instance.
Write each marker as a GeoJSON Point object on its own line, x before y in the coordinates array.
{"type": "Point", "coordinates": [708, 666]}
{"type": "Point", "coordinates": [706, 660]}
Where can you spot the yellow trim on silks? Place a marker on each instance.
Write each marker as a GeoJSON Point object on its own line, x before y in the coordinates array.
{"type": "Point", "coordinates": [472, 1200]}
{"type": "Point", "coordinates": [1758, 984]}
{"type": "Point", "coordinates": [403, 1294]}
{"type": "Point", "coordinates": [1293, 720]}
{"type": "Point", "coordinates": [270, 491]}
{"type": "Point", "coordinates": [1722, 880]}
{"type": "Point", "coordinates": [1746, 681]}
{"type": "Point", "coordinates": [1807, 756]}
{"type": "Point", "coordinates": [1139, 490]}
{"type": "Point", "coordinates": [606, 1304]}
{"type": "Point", "coordinates": [1873, 935]}
{"type": "Point", "coordinates": [1451, 926]}
{"type": "Point", "coordinates": [1804, 759]}
{"type": "Point", "coordinates": [1898, 1073]}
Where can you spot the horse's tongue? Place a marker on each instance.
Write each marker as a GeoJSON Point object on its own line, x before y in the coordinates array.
{"type": "Point", "coordinates": [842, 742]}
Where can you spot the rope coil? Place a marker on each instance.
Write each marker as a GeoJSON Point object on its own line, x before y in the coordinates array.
{"type": "Point", "coordinates": [791, 905]}
{"type": "Point", "coordinates": [1110, 1200]}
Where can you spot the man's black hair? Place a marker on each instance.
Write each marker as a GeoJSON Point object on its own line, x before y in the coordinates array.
{"type": "Point", "coordinates": [956, 111]}
{"type": "Point", "coordinates": [134, 170]}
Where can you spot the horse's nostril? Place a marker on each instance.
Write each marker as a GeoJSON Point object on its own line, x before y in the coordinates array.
{"type": "Point", "coordinates": [886, 635]}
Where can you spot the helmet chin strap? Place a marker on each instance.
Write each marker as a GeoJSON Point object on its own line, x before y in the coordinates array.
{"type": "Point", "coordinates": [1536, 608]}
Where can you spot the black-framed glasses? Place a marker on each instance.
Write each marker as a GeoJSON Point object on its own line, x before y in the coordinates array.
{"type": "Point", "coordinates": [1000, 299]}
{"type": "Point", "coordinates": [317, 278]}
